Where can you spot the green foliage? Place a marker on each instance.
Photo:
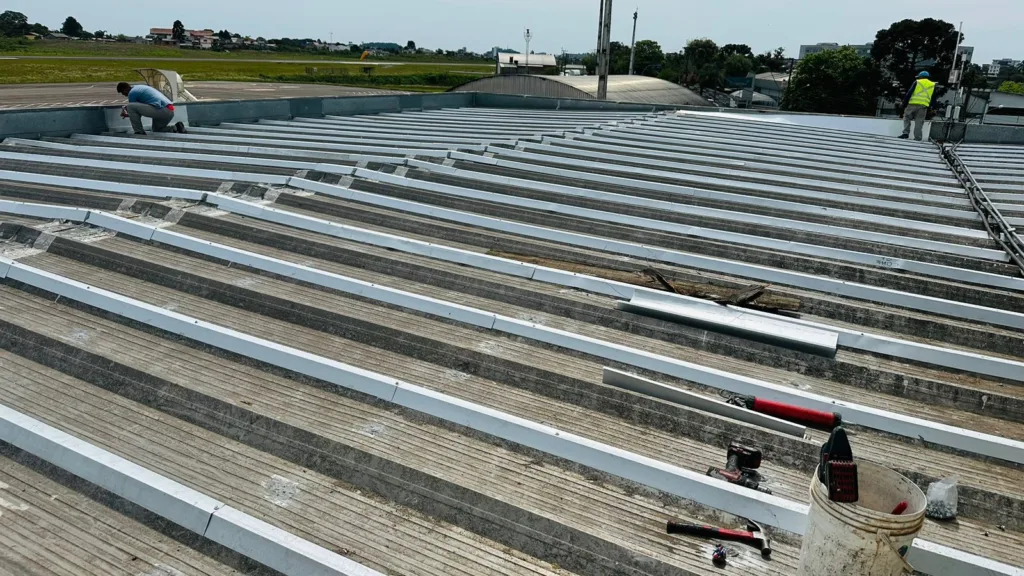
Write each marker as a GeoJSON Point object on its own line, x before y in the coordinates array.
{"type": "Point", "coordinates": [14, 46]}
{"type": "Point", "coordinates": [700, 53]}
{"type": "Point", "coordinates": [769, 61]}
{"type": "Point", "coordinates": [737, 65]}
{"type": "Point", "coordinates": [833, 82]}
{"type": "Point", "coordinates": [649, 58]}
{"type": "Point", "coordinates": [71, 27]}
{"type": "Point", "coordinates": [100, 34]}
{"type": "Point", "coordinates": [410, 45]}
{"type": "Point", "coordinates": [1012, 87]}
{"type": "Point", "coordinates": [899, 49]}
{"type": "Point", "coordinates": [13, 24]}
{"type": "Point", "coordinates": [178, 31]}
{"type": "Point", "coordinates": [734, 49]}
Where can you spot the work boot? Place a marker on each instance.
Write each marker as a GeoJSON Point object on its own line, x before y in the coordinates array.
{"type": "Point", "coordinates": [180, 128]}
{"type": "Point", "coordinates": [904, 136]}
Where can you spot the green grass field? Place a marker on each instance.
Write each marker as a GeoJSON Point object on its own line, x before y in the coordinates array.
{"type": "Point", "coordinates": [11, 47]}
{"type": "Point", "coordinates": [432, 77]}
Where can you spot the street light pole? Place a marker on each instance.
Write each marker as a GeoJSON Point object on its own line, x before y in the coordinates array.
{"type": "Point", "coordinates": [632, 46]}
{"type": "Point", "coordinates": [528, 36]}
{"type": "Point", "coordinates": [604, 56]}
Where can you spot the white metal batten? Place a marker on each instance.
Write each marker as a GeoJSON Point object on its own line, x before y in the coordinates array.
{"type": "Point", "coordinates": [861, 258]}
{"type": "Point", "coordinates": [339, 144]}
{"type": "Point", "coordinates": [284, 138]}
{"type": "Point", "coordinates": [965, 215]}
{"type": "Point", "coordinates": [267, 128]}
{"type": "Point", "coordinates": [797, 178]}
{"type": "Point", "coordinates": [180, 504]}
{"type": "Point", "coordinates": [736, 198]}
{"type": "Point", "coordinates": [807, 281]}
{"type": "Point", "coordinates": [947, 357]}
{"type": "Point", "coordinates": [103, 185]}
{"type": "Point", "coordinates": [178, 171]}
{"type": "Point", "coordinates": [693, 210]}
{"type": "Point", "coordinates": [764, 508]}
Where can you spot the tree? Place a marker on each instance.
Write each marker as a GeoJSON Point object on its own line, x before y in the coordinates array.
{"type": "Point", "coordinates": [13, 24]}
{"type": "Point", "coordinates": [833, 82]}
{"type": "Point", "coordinates": [649, 58]}
{"type": "Point", "coordinates": [410, 45]}
{"type": "Point", "coordinates": [769, 61]}
{"type": "Point", "coordinates": [710, 76]}
{"type": "Point", "coordinates": [71, 27]}
{"type": "Point", "coordinates": [590, 61]}
{"type": "Point", "coordinates": [178, 31]}
{"type": "Point", "coordinates": [38, 28]}
{"type": "Point", "coordinates": [740, 49]}
{"type": "Point", "coordinates": [1012, 87]}
{"type": "Point", "coordinates": [100, 34]}
{"type": "Point", "coordinates": [224, 35]}
{"type": "Point", "coordinates": [700, 53]}
{"type": "Point", "coordinates": [737, 65]}
{"type": "Point", "coordinates": [121, 38]}
{"type": "Point", "coordinates": [903, 48]}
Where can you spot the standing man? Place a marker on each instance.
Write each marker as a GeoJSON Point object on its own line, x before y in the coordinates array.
{"type": "Point", "coordinates": [916, 104]}
{"type": "Point", "coordinates": [151, 103]}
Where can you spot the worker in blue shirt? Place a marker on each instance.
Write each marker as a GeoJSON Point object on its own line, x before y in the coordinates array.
{"type": "Point", "coordinates": [151, 103]}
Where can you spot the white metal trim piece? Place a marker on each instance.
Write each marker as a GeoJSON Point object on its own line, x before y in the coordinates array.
{"type": "Point", "coordinates": [278, 549]}
{"type": "Point", "coordinates": [182, 505]}
{"type": "Point", "coordinates": [772, 221]}
{"type": "Point", "coordinates": [860, 258]}
{"type": "Point", "coordinates": [762, 273]}
{"type": "Point", "coordinates": [728, 320]}
{"type": "Point", "coordinates": [121, 225]}
{"type": "Point", "coordinates": [335, 144]}
{"type": "Point", "coordinates": [103, 185]}
{"type": "Point", "coordinates": [947, 357]}
{"type": "Point", "coordinates": [178, 171]}
{"type": "Point", "coordinates": [238, 149]}
{"type": "Point", "coordinates": [328, 135]}
{"type": "Point", "coordinates": [764, 508]}
{"type": "Point", "coordinates": [796, 178]}
{"type": "Point", "coordinates": [938, 560]}
{"type": "Point", "coordinates": [49, 211]}
{"type": "Point", "coordinates": [740, 185]}
{"type": "Point", "coordinates": [634, 383]}
{"type": "Point", "coordinates": [728, 197]}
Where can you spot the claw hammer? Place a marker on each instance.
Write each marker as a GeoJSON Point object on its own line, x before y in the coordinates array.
{"type": "Point", "coordinates": [755, 536]}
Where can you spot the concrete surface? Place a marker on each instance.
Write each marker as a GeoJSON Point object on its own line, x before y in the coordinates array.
{"type": "Point", "coordinates": [19, 96]}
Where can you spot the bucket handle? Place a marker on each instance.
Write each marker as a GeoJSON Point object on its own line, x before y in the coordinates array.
{"type": "Point", "coordinates": [883, 538]}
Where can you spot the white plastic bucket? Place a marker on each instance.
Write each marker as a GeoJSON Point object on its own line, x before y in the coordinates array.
{"type": "Point", "coordinates": [862, 539]}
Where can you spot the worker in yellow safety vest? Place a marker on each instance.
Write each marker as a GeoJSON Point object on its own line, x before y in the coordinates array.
{"type": "Point", "coordinates": [916, 104]}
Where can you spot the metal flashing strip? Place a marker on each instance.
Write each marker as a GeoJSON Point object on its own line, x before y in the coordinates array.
{"type": "Point", "coordinates": [751, 162]}
{"type": "Point", "coordinates": [179, 171]}
{"type": "Point", "coordinates": [747, 172]}
{"type": "Point", "coordinates": [899, 424]}
{"type": "Point", "coordinates": [823, 284]}
{"type": "Point", "coordinates": [188, 508]}
{"type": "Point", "coordinates": [423, 149]}
{"type": "Point", "coordinates": [412, 121]}
{"type": "Point", "coordinates": [860, 258]}
{"type": "Point", "coordinates": [740, 186]}
{"type": "Point", "coordinates": [753, 146]}
{"type": "Point", "coordinates": [727, 320]}
{"type": "Point", "coordinates": [634, 383]}
{"type": "Point", "coordinates": [268, 127]}
{"type": "Point", "coordinates": [112, 151]}
{"type": "Point", "coordinates": [938, 560]}
{"type": "Point", "coordinates": [938, 356]}
{"type": "Point", "coordinates": [693, 210]}
{"type": "Point", "coordinates": [303, 136]}
{"type": "Point", "coordinates": [104, 185]}
{"type": "Point", "coordinates": [263, 150]}
{"type": "Point", "coordinates": [736, 198]}
{"type": "Point", "coordinates": [482, 130]}
{"type": "Point", "coordinates": [767, 509]}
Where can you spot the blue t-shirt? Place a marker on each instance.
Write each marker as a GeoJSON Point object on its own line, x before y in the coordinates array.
{"type": "Point", "coordinates": [148, 95]}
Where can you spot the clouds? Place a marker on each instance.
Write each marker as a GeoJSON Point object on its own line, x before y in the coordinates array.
{"type": "Point", "coordinates": [557, 24]}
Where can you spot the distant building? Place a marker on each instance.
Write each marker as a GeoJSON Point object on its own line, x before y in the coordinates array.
{"type": "Point", "coordinates": [997, 66]}
{"type": "Point", "coordinates": [498, 50]}
{"type": "Point", "coordinates": [57, 36]}
{"type": "Point", "coordinates": [508, 63]}
{"type": "Point", "coordinates": [772, 84]}
{"type": "Point", "coordinates": [32, 36]}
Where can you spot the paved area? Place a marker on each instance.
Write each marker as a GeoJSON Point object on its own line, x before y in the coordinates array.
{"type": "Point", "coordinates": [103, 94]}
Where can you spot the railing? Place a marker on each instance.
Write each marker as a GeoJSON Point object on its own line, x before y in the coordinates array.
{"type": "Point", "coordinates": [997, 227]}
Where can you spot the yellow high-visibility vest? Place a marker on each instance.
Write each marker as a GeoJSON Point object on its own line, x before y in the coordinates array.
{"type": "Point", "coordinates": [923, 93]}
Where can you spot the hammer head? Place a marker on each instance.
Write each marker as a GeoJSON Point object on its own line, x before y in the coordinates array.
{"type": "Point", "coordinates": [763, 541]}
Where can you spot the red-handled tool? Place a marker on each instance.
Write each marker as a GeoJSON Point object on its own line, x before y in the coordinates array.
{"type": "Point", "coordinates": [755, 536]}
{"type": "Point", "coordinates": [789, 411]}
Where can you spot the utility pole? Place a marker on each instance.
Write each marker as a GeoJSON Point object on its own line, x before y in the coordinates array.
{"type": "Point", "coordinates": [604, 56]}
{"type": "Point", "coordinates": [600, 38]}
{"type": "Point", "coordinates": [528, 36]}
{"type": "Point", "coordinates": [632, 47]}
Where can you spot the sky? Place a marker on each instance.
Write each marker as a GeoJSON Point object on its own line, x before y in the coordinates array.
{"type": "Point", "coordinates": [991, 26]}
